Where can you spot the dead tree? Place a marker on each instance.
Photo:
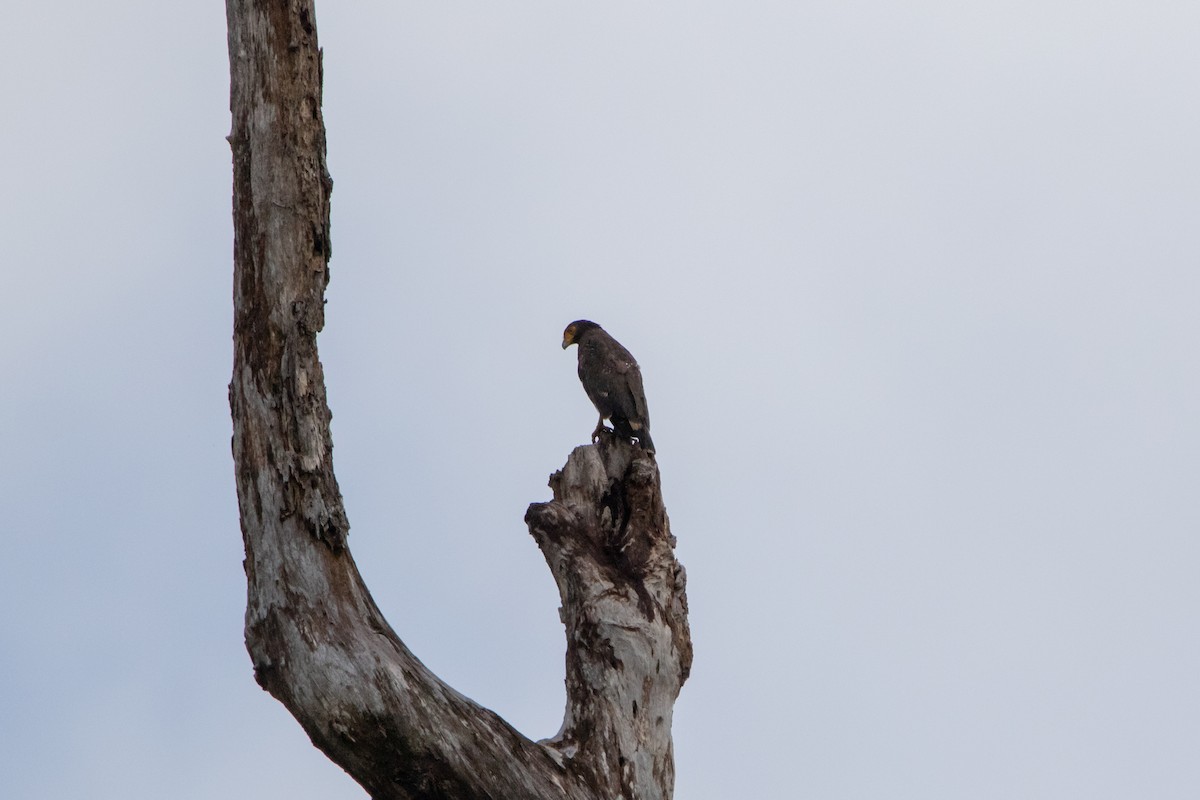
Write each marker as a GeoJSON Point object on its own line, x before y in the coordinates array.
{"type": "Point", "coordinates": [316, 639]}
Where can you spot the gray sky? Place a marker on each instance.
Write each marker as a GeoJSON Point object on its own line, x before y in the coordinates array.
{"type": "Point", "coordinates": [914, 288]}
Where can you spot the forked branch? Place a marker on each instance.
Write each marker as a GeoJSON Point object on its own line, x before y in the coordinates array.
{"type": "Point", "coordinates": [317, 641]}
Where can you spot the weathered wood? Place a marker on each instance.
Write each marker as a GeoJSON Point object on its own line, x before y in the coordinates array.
{"type": "Point", "coordinates": [607, 540]}
{"type": "Point", "coordinates": [316, 639]}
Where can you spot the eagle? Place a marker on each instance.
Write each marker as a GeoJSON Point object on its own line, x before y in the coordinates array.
{"type": "Point", "coordinates": [613, 382]}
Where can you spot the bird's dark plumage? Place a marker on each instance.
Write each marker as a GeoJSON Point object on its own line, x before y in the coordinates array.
{"type": "Point", "coordinates": [613, 382]}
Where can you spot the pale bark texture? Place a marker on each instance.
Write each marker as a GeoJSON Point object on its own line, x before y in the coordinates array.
{"type": "Point", "coordinates": [316, 639]}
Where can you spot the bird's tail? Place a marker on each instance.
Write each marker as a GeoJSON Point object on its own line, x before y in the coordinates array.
{"type": "Point", "coordinates": [639, 431]}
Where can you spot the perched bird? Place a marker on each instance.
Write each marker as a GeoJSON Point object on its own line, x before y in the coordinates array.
{"type": "Point", "coordinates": [612, 380]}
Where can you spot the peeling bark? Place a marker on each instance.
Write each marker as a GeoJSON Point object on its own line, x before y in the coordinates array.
{"type": "Point", "coordinates": [316, 639]}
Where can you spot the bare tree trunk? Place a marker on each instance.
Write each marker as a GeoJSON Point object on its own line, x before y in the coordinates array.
{"type": "Point", "coordinates": [317, 641]}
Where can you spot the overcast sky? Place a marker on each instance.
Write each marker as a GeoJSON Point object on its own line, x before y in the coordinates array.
{"type": "Point", "coordinates": [914, 287]}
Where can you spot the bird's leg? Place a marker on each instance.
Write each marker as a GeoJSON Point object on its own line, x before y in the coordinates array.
{"type": "Point", "coordinates": [599, 429]}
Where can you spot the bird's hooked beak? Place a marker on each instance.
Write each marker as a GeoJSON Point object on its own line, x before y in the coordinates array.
{"type": "Point", "coordinates": [567, 341]}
